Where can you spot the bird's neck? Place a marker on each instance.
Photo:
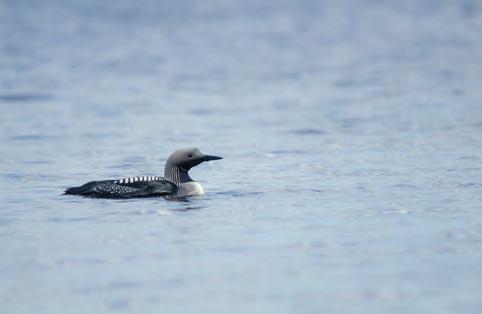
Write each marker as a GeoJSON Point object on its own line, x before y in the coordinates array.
{"type": "Point", "coordinates": [177, 175]}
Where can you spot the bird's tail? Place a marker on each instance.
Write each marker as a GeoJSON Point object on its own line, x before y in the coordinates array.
{"type": "Point", "coordinates": [79, 190]}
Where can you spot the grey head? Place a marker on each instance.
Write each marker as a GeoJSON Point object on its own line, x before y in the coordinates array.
{"type": "Point", "coordinates": [182, 160]}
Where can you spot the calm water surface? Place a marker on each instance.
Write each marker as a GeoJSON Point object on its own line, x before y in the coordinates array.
{"type": "Point", "coordinates": [351, 131]}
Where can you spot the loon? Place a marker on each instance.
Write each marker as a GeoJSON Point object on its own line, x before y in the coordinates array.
{"type": "Point", "coordinates": [175, 183]}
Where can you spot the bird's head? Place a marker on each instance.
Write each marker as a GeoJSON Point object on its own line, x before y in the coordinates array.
{"type": "Point", "coordinates": [186, 158]}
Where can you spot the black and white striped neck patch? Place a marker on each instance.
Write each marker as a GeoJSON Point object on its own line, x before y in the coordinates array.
{"type": "Point", "coordinates": [138, 179]}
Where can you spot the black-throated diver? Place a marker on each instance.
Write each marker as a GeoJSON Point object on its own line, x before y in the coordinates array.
{"type": "Point", "coordinates": [176, 181]}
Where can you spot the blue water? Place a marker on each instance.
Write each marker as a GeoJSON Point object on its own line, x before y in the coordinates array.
{"type": "Point", "coordinates": [351, 132]}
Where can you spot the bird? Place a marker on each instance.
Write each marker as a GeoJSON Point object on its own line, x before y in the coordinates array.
{"type": "Point", "coordinates": [175, 183]}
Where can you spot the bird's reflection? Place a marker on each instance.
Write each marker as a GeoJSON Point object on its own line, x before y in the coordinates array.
{"type": "Point", "coordinates": [183, 205]}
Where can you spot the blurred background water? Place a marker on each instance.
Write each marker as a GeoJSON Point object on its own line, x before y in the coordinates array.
{"type": "Point", "coordinates": [351, 131]}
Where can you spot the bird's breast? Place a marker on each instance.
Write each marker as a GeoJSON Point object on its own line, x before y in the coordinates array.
{"type": "Point", "coordinates": [191, 189]}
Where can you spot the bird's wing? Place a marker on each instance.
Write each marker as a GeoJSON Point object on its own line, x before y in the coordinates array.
{"type": "Point", "coordinates": [147, 186]}
{"type": "Point", "coordinates": [111, 189]}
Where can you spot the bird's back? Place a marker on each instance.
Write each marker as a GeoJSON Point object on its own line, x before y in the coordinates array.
{"type": "Point", "coordinates": [140, 186]}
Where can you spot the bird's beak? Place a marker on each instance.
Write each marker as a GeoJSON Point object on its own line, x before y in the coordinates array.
{"type": "Point", "coordinates": [210, 157]}
{"type": "Point", "coordinates": [200, 158]}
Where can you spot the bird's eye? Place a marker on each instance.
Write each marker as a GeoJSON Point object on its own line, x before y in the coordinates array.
{"type": "Point", "coordinates": [190, 155]}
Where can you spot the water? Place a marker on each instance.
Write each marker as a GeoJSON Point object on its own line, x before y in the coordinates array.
{"type": "Point", "coordinates": [351, 132]}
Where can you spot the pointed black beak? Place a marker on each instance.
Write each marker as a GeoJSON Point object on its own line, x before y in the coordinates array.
{"type": "Point", "coordinates": [198, 159]}
{"type": "Point", "coordinates": [211, 157]}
